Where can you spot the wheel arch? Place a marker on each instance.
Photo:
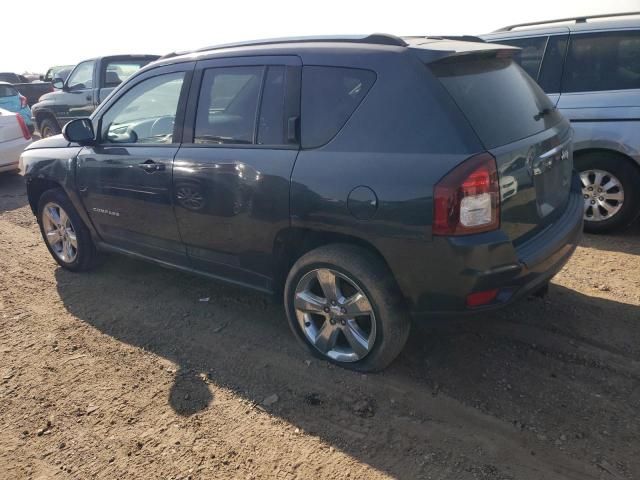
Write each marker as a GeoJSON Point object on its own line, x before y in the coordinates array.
{"type": "Point", "coordinates": [607, 150]}
{"type": "Point", "coordinates": [41, 115]}
{"type": "Point", "coordinates": [36, 187]}
{"type": "Point", "coordinates": [292, 243]}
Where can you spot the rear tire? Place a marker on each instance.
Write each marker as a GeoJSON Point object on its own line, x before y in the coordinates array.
{"type": "Point", "coordinates": [365, 316]}
{"type": "Point", "coordinates": [601, 169]}
{"type": "Point", "coordinates": [64, 233]}
{"type": "Point", "coordinates": [48, 128]}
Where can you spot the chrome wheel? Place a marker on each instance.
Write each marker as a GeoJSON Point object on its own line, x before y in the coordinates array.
{"type": "Point", "coordinates": [59, 232]}
{"type": "Point", "coordinates": [335, 315]}
{"type": "Point", "coordinates": [603, 195]}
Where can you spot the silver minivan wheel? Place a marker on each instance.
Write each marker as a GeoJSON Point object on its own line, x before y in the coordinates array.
{"type": "Point", "coordinates": [603, 195]}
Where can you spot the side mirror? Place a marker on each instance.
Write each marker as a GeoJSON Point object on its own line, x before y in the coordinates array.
{"type": "Point", "coordinates": [58, 83]}
{"type": "Point", "coordinates": [79, 131]}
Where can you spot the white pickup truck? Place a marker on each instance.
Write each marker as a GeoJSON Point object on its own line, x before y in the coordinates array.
{"type": "Point", "coordinates": [14, 137]}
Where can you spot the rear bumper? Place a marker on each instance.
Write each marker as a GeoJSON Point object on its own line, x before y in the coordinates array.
{"type": "Point", "coordinates": [489, 261]}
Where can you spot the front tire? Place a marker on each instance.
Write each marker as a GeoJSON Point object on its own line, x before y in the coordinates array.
{"type": "Point", "coordinates": [64, 233]}
{"type": "Point", "coordinates": [49, 127]}
{"type": "Point", "coordinates": [343, 304]}
{"type": "Point", "coordinates": [611, 191]}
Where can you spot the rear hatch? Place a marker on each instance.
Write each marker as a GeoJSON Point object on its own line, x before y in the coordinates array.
{"type": "Point", "coordinates": [519, 126]}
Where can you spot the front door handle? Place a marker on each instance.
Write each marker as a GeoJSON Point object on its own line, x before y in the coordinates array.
{"type": "Point", "coordinates": [150, 166]}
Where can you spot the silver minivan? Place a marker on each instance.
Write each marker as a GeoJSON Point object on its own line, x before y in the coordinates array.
{"type": "Point", "coordinates": [590, 68]}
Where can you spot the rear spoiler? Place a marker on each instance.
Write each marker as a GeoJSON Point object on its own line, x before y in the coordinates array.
{"type": "Point", "coordinates": [432, 50]}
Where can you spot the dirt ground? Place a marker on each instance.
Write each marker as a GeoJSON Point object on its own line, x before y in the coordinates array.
{"type": "Point", "coordinates": [124, 373]}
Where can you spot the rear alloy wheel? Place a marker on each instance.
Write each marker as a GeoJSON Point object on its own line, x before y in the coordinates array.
{"type": "Point", "coordinates": [611, 191]}
{"type": "Point", "coordinates": [335, 315]}
{"type": "Point", "coordinates": [603, 195]}
{"type": "Point", "coordinates": [344, 305]}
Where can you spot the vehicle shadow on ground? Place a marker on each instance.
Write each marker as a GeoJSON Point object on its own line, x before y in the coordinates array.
{"type": "Point", "coordinates": [535, 366]}
{"type": "Point", "coordinates": [13, 193]}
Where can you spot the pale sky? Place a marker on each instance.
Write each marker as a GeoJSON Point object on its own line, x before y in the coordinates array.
{"type": "Point", "coordinates": [37, 34]}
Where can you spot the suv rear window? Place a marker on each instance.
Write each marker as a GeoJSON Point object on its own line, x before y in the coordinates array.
{"type": "Point", "coordinates": [603, 61]}
{"type": "Point", "coordinates": [329, 96]}
{"type": "Point", "coordinates": [481, 87]}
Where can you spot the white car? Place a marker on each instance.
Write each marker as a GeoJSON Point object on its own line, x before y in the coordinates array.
{"type": "Point", "coordinates": [14, 137]}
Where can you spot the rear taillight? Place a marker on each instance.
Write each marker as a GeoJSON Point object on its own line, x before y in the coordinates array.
{"type": "Point", "coordinates": [23, 101]}
{"type": "Point", "coordinates": [467, 199]}
{"type": "Point", "coordinates": [23, 126]}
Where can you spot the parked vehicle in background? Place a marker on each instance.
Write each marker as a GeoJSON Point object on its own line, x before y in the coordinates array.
{"type": "Point", "coordinates": [89, 83]}
{"type": "Point", "coordinates": [13, 101]}
{"type": "Point", "coordinates": [31, 91]}
{"type": "Point", "coordinates": [59, 71]}
{"type": "Point", "coordinates": [14, 138]}
{"type": "Point", "coordinates": [590, 68]}
{"type": "Point", "coordinates": [360, 177]}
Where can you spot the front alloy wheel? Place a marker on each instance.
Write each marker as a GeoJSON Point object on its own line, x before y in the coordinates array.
{"type": "Point", "coordinates": [59, 232]}
{"type": "Point", "coordinates": [335, 315]}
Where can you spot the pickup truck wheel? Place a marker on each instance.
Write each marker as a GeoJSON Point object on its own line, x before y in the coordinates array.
{"type": "Point", "coordinates": [64, 233]}
{"type": "Point", "coordinates": [49, 127]}
{"type": "Point", "coordinates": [611, 191]}
{"type": "Point", "coordinates": [343, 304]}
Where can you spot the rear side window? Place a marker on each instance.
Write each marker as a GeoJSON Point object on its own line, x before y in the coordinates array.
{"type": "Point", "coordinates": [531, 53]}
{"type": "Point", "coordinates": [228, 105]}
{"type": "Point", "coordinates": [603, 61]}
{"type": "Point", "coordinates": [271, 123]}
{"type": "Point", "coordinates": [501, 102]}
{"type": "Point", "coordinates": [8, 91]}
{"type": "Point", "coordinates": [551, 71]}
{"type": "Point", "coordinates": [329, 96]}
{"type": "Point", "coordinates": [117, 71]}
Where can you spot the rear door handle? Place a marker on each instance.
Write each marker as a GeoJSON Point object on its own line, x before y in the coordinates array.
{"type": "Point", "coordinates": [150, 166]}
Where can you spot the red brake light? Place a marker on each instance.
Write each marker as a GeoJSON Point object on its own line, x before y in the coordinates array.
{"type": "Point", "coordinates": [467, 199]}
{"type": "Point", "coordinates": [23, 101]}
{"type": "Point", "coordinates": [23, 126]}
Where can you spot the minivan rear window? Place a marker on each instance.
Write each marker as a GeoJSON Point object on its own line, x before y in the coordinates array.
{"type": "Point", "coordinates": [502, 103]}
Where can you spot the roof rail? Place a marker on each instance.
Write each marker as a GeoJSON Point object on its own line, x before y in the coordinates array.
{"type": "Point", "coordinates": [582, 19]}
{"type": "Point", "coordinates": [374, 38]}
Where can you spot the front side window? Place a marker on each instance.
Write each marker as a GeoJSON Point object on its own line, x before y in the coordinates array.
{"type": "Point", "coordinates": [602, 61]}
{"type": "Point", "coordinates": [82, 76]}
{"type": "Point", "coordinates": [146, 113]}
{"type": "Point", "coordinates": [329, 96]}
{"type": "Point", "coordinates": [117, 71]}
{"type": "Point", "coordinates": [228, 105]}
{"type": "Point", "coordinates": [530, 55]}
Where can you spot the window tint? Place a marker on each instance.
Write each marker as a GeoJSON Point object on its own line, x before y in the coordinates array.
{"type": "Point", "coordinates": [480, 87]}
{"type": "Point", "coordinates": [530, 57]}
{"type": "Point", "coordinates": [271, 123]}
{"type": "Point", "coordinates": [82, 76]}
{"type": "Point", "coordinates": [8, 91]}
{"type": "Point", "coordinates": [603, 61]}
{"type": "Point", "coordinates": [146, 113]}
{"type": "Point", "coordinates": [117, 72]}
{"type": "Point", "coordinates": [329, 96]}
{"type": "Point", "coordinates": [552, 65]}
{"type": "Point", "coordinates": [227, 106]}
